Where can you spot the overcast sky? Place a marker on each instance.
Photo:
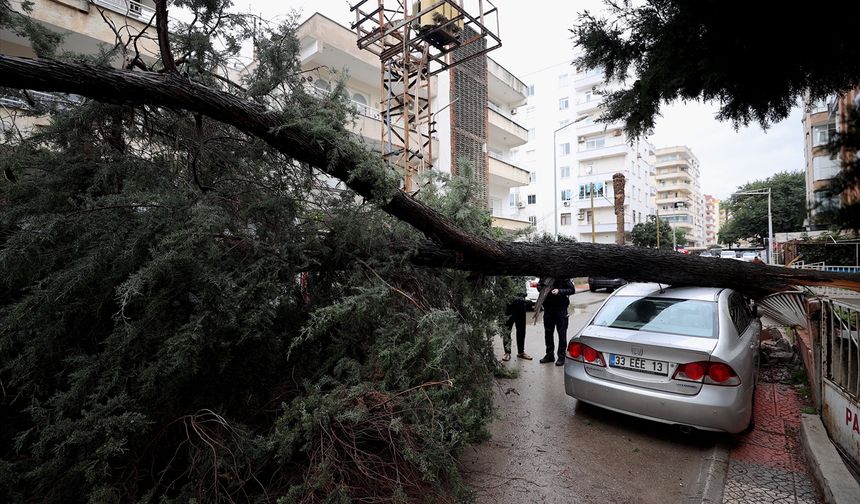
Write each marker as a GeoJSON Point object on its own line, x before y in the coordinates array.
{"type": "Point", "coordinates": [535, 35]}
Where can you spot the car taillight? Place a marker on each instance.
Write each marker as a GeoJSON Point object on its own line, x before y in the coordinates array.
{"type": "Point", "coordinates": [711, 373]}
{"type": "Point", "coordinates": [583, 353]}
{"type": "Point", "coordinates": [533, 285]}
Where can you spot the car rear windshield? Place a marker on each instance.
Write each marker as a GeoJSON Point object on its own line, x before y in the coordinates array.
{"type": "Point", "coordinates": [675, 316]}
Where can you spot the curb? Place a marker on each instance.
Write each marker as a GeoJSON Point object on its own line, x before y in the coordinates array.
{"type": "Point", "coordinates": [712, 478]}
{"type": "Point", "coordinates": [837, 484]}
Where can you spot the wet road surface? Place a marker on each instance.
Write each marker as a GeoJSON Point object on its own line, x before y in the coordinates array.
{"type": "Point", "coordinates": [547, 448]}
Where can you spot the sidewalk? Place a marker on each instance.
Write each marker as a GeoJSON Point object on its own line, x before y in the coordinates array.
{"type": "Point", "coordinates": [767, 465]}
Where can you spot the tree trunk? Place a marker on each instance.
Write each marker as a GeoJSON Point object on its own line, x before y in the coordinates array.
{"type": "Point", "coordinates": [618, 187]}
{"type": "Point", "coordinates": [364, 172]}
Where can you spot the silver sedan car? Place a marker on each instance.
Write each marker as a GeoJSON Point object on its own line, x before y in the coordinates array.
{"type": "Point", "coordinates": [685, 356]}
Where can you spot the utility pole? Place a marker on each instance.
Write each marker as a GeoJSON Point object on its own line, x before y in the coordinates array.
{"type": "Point", "coordinates": [762, 192]}
{"type": "Point", "coordinates": [555, 175]}
{"type": "Point", "coordinates": [593, 220]}
{"type": "Point", "coordinates": [657, 212]}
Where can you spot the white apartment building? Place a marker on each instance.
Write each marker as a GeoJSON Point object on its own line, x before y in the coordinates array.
{"type": "Point", "coordinates": [712, 220]}
{"type": "Point", "coordinates": [679, 199]}
{"type": "Point", "coordinates": [568, 153]}
{"type": "Point", "coordinates": [327, 45]}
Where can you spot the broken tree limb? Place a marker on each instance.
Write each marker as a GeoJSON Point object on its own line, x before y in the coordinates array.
{"type": "Point", "coordinates": [450, 246]}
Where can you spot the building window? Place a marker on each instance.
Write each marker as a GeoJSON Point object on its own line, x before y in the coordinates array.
{"type": "Point", "coordinates": [565, 219]}
{"type": "Point", "coordinates": [532, 199]}
{"type": "Point", "coordinates": [585, 190]}
{"type": "Point", "coordinates": [532, 177]}
{"type": "Point", "coordinates": [565, 171]}
{"type": "Point", "coordinates": [512, 199]}
{"type": "Point", "coordinates": [588, 216]}
{"type": "Point", "coordinates": [565, 195]}
{"type": "Point", "coordinates": [531, 134]}
{"type": "Point", "coordinates": [563, 80]}
{"type": "Point", "coordinates": [595, 142]}
{"type": "Point", "coordinates": [563, 103]}
{"type": "Point", "coordinates": [824, 168]}
{"type": "Point", "coordinates": [531, 90]}
{"type": "Point", "coordinates": [533, 220]}
{"type": "Point", "coordinates": [564, 149]}
{"type": "Point", "coordinates": [821, 134]}
{"type": "Point", "coordinates": [530, 110]}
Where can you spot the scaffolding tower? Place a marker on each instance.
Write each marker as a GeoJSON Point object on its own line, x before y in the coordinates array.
{"type": "Point", "coordinates": [414, 41]}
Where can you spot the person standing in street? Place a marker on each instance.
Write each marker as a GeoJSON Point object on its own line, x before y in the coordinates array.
{"type": "Point", "coordinates": [555, 316]}
{"type": "Point", "coordinates": [516, 312]}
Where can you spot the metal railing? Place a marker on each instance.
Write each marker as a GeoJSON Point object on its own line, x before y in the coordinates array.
{"type": "Point", "coordinates": [361, 108]}
{"type": "Point", "coordinates": [61, 101]}
{"type": "Point", "coordinates": [130, 8]}
{"type": "Point", "coordinates": [833, 292]}
{"type": "Point", "coordinates": [841, 346]}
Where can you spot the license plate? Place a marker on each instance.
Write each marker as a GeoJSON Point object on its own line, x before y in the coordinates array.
{"type": "Point", "coordinates": [639, 364]}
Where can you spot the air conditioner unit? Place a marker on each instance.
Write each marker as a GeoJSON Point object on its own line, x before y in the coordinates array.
{"type": "Point", "coordinates": [581, 215]}
{"type": "Point", "coordinates": [566, 203]}
{"type": "Point", "coordinates": [521, 204]}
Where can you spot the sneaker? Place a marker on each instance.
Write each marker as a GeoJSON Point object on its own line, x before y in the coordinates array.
{"type": "Point", "coordinates": [560, 361]}
{"type": "Point", "coordinates": [547, 358]}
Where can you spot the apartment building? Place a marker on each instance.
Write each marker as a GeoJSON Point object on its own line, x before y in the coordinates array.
{"type": "Point", "coordinates": [571, 159]}
{"type": "Point", "coordinates": [679, 198]}
{"type": "Point", "coordinates": [473, 109]}
{"type": "Point", "coordinates": [86, 25]}
{"type": "Point", "coordinates": [712, 220]}
{"type": "Point", "coordinates": [819, 125]}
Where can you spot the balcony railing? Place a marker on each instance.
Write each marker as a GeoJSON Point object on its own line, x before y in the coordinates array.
{"type": "Point", "coordinates": [129, 8]}
{"type": "Point", "coordinates": [41, 98]}
{"type": "Point", "coordinates": [361, 108]}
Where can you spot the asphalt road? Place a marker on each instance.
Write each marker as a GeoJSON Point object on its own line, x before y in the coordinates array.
{"type": "Point", "coordinates": [547, 448]}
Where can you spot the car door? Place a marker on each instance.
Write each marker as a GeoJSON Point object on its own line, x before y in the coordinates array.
{"type": "Point", "coordinates": [748, 330]}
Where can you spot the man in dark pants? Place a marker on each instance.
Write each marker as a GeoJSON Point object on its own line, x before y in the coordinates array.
{"type": "Point", "coordinates": [516, 312]}
{"type": "Point", "coordinates": [555, 317]}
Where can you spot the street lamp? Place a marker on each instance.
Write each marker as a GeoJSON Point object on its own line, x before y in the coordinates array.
{"type": "Point", "coordinates": [555, 174]}
{"type": "Point", "coordinates": [762, 191]}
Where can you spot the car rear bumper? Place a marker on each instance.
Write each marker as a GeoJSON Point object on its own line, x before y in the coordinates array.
{"type": "Point", "coordinates": [714, 408]}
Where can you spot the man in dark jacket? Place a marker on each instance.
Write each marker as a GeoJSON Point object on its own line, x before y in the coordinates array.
{"type": "Point", "coordinates": [516, 312]}
{"type": "Point", "coordinates": [555, 317]}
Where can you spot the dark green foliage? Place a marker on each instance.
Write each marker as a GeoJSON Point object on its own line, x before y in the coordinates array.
{"type": "Point", "coordinates": [644, 234]}
{"type": "Point", "coordinates": [186, 314]}
{"type": "Point", "coordinates": [832, 250]}
{"type": "Point", "coordinates": [747, 56]}
{"type": "Point", "coordinates": [748, 213]}
{"type": "Point", "coordinates": [43, 40]}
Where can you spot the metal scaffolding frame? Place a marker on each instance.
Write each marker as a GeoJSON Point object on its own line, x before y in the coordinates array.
{"type": "Point", "coordinates": [410, 53]}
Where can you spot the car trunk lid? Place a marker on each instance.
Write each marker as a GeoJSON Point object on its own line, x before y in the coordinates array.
{"type": "Point", "coordinates": [646, 359]}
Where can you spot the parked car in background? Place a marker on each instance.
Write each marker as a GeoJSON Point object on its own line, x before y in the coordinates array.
{"type": "Point", "coordinates": [749, 256]}
{"type": "Point", "coordinates": [687, 356]}
{"type": "Point", "coordinates": [532, 292]}
{"type": "Point", "coordinates": [728, 254]}
{"type": "Point", "coordinates": [610, 284]}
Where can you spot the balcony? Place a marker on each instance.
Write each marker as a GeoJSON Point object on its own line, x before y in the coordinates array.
{"type": "Point", "coordinates": [676, 186]}
{"type": "Point", "coordinates": [508, 224]}
{"type": "Point", "coordinates": [584, 228]}
{"type": "Point", "coordinates": [588, 128]}
{"type": "Point", "coordinates": [326, 43]}
{"type": "Point", "coordinates": [679, 174]}
{"type": "Point", "coordinates": [503, 86]}
{"type": "Point", "coordinates": [584, 154]}
{"type": "Point", "coordinates": [588, 80]}
{"type": "Point", "coordinates": [680, 161]}
{"type": "Point", "coordinates": [130, 8]}
{"type": "Point", "coordinates": [586, 106]}
{"type": "Point", "coordinates": [504, 173]}
{"type": "Point", "coordinates": [84, 29]}
{"type": "Point", "coordinates": [504, 130]}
